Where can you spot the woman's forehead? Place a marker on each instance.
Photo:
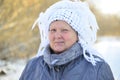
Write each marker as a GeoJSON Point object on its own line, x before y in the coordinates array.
{"type": "Point", "coordinates": [59, 23]}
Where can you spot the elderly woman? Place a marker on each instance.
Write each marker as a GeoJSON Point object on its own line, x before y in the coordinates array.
{"type": "Point", "coordinates": [68, 31]}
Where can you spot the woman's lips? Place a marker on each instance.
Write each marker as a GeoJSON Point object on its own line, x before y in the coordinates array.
{"type": "Point", "coordinates": [60, 42]}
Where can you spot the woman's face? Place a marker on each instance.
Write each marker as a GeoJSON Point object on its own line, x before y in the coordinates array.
{"type": "Point", "coordinates": [61, 36]}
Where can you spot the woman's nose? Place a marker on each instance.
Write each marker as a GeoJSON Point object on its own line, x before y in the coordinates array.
{"type": "Point", "coordinates": [58, 35]}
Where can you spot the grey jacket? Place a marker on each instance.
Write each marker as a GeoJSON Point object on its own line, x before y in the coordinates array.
{"type": "Point", "coordinates": [68, 68]}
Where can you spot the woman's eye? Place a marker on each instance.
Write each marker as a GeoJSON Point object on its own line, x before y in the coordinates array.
{"type": "Point", "coordinates": [52, 30]}
{"type": "Point", "coordinates": [64, 30]}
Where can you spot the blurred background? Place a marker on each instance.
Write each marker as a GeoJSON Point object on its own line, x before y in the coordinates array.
{"type": "Point", "coordinates": [18, 43]}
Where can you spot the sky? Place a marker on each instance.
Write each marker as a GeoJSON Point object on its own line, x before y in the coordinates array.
{"type": "Point", "coordinates": [108, 6]}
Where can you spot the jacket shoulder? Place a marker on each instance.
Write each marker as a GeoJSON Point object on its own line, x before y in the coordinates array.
{"type": "Point", "coordinates": [104, 71]}
{"type": "Point", "coordinates": [33, 66]}
{"type": "Point", "coordinates": [34, 61]}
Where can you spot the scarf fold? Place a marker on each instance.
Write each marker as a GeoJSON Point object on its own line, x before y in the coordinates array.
{"type": "Point", "coordinates": [64, 57]}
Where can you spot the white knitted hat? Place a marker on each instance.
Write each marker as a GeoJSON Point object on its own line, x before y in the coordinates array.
{"type": "Point", "coordinates": [78, 15]}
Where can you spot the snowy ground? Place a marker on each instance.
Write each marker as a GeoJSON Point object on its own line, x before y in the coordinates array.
{"type": "Point", "coordinates": [11, 70]}
{"type": "Point", "coordinates": [109, 47]}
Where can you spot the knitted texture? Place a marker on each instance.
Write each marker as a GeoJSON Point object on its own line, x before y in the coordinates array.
{"type": "Point", "coordinates": [78, 15]}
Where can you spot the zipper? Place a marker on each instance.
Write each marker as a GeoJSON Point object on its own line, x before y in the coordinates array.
{"type": "Point", "coordinates": [57, 72]}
